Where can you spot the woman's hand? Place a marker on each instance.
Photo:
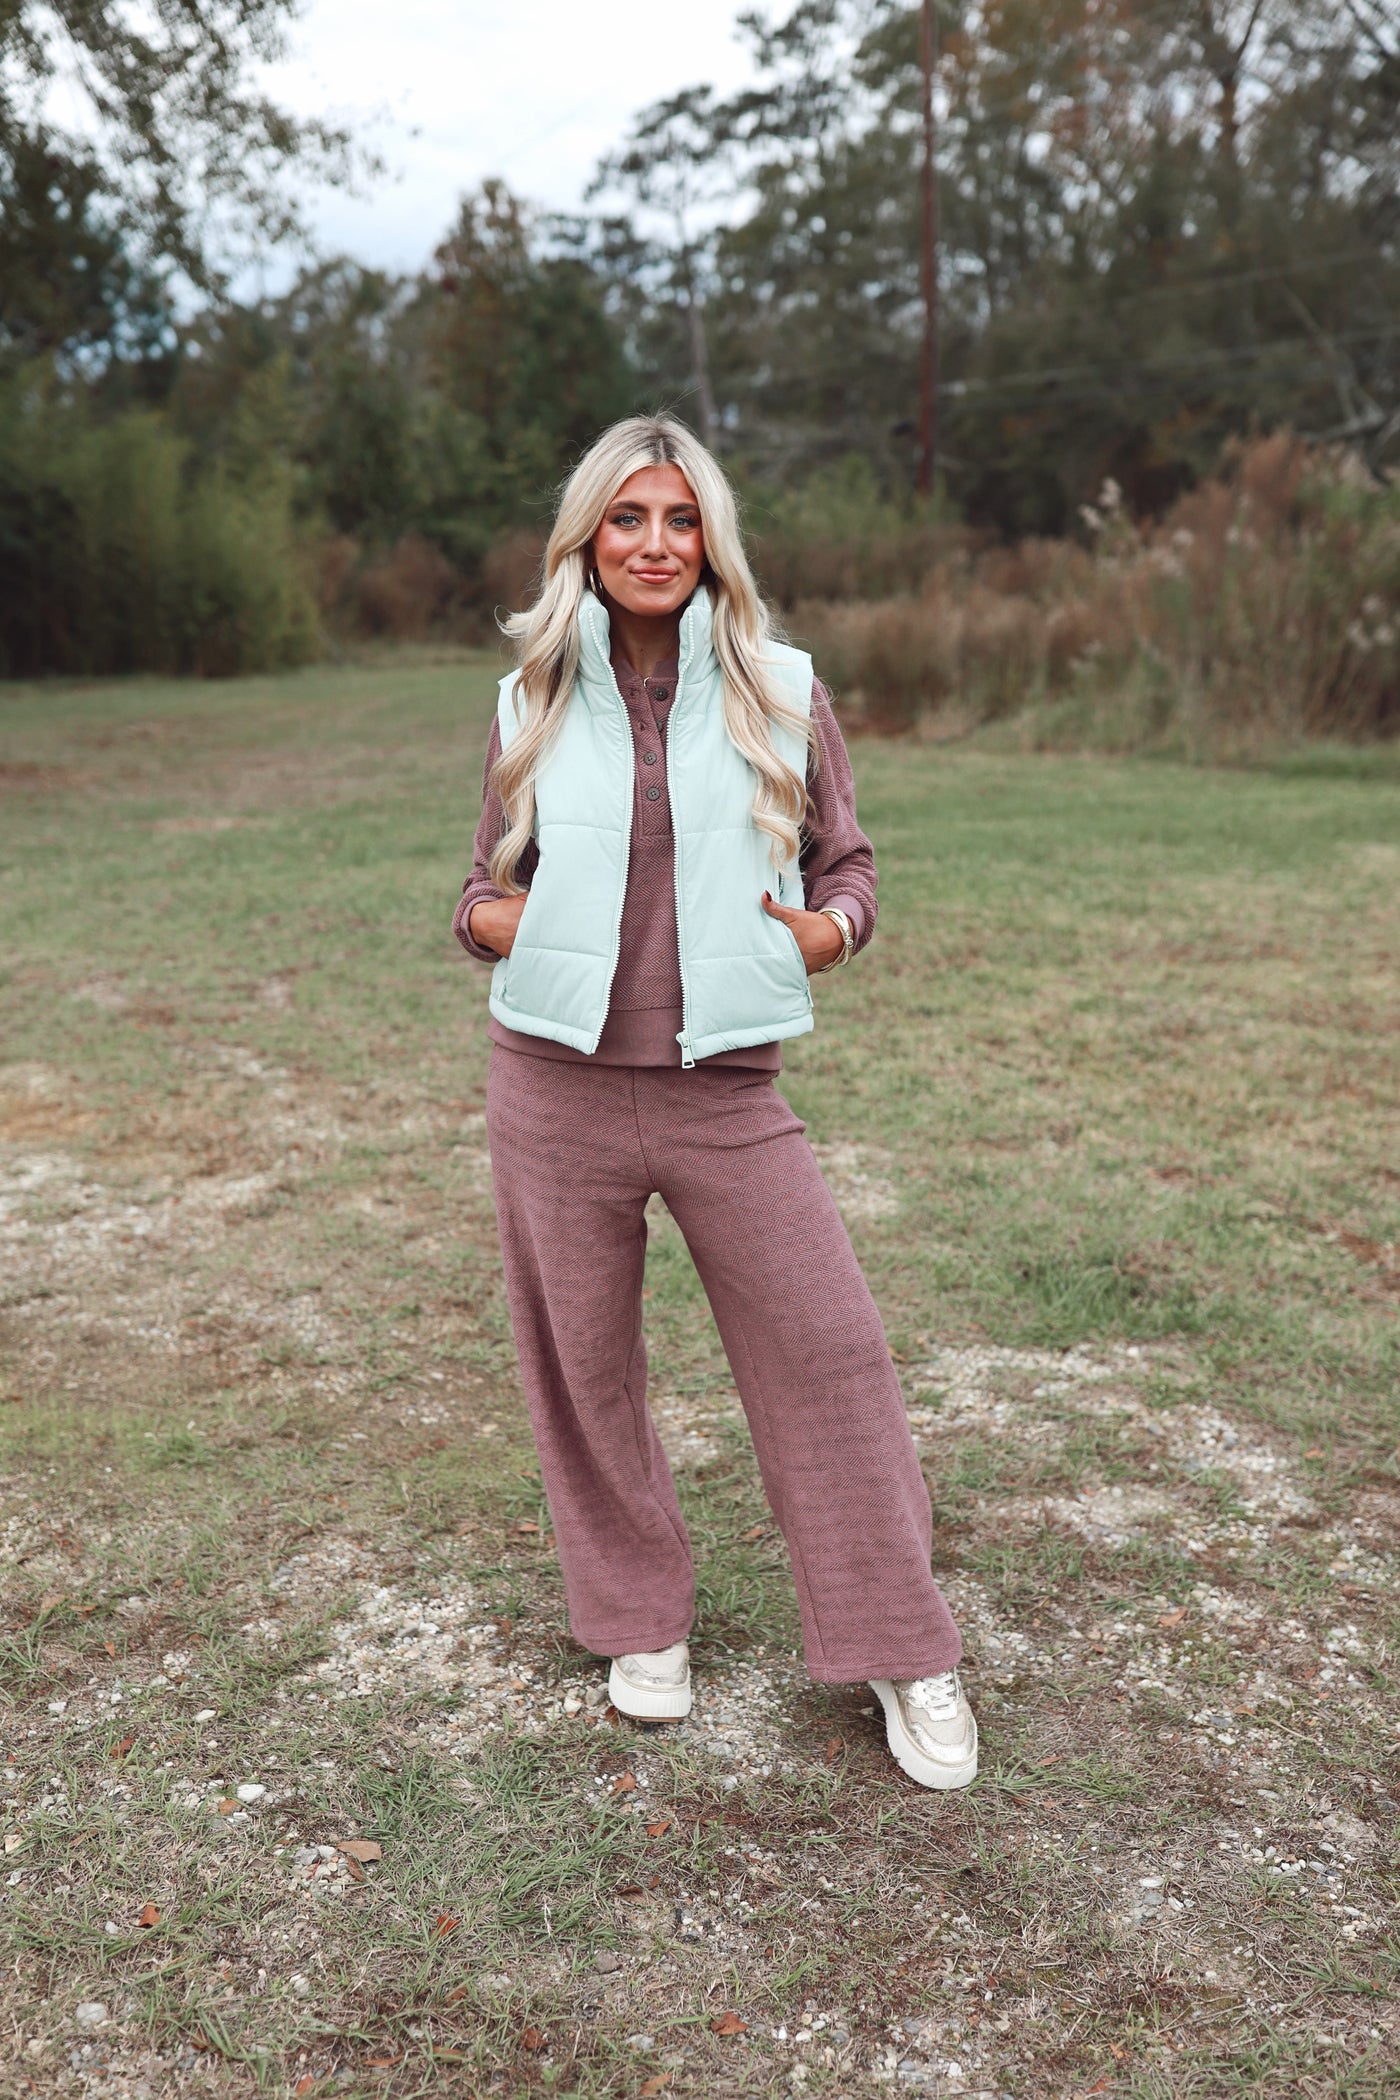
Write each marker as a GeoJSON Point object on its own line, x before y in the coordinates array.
{"type": "Point", "coordinates": [493, 924]}
{"type": "Point", "coordinates": [818, 937]}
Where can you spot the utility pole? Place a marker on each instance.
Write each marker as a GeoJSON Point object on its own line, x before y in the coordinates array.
{"type": "Point", "coordinates": [928, 416]}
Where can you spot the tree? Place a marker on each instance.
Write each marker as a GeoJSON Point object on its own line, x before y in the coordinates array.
{"type": "Point", "coordinates": [173, 163]}
{"type": "Point", "coordinates": [511, 329]}
{"type": "Point", "coordinates": [1165, 222]}
{"type": "Point", "coordinates": [673, 170]}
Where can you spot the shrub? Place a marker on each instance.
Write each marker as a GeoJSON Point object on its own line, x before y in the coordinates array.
{"type": "Point", "coordinates": [406, 592]}
{"type": "Point", "coordinates": [120, 555]}
{"type": "Point", "coordinates": [1264, 607]}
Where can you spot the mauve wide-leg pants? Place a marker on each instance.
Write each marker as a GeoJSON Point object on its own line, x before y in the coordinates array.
{"type": "Point", "coordinates": [576, 1150]}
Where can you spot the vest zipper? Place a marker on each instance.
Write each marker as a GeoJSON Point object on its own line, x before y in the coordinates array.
{"type": "Point", "coordinates": [687, 1051]}
{"type": "Point", "coordinates": [626, 858]}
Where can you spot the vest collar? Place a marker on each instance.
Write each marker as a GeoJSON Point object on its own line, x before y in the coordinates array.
{"type": "Point", "coordinates": [697, 652]}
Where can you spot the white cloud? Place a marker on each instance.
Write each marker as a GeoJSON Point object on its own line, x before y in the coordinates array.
{"type": "Point", "coordinates": [533, 90]}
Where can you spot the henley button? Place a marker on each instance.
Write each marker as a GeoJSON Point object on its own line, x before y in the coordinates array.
{"type": "Point", "coordinates": [648, 758]}
{"type": "Point", "coordinates": [653, 794]}
{"type": "Point", "coordinates": [663, 692]}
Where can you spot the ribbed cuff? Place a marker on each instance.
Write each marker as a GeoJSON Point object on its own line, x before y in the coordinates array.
{"type": "Point", "coordinates": [855, 911]}
{"type": "Point", "coordinates": [479, 893]}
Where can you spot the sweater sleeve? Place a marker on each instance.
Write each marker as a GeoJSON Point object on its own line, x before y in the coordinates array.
{"type": "Point", "coordinates": [838, 861]}
{"type": "Point", "coordinates": [478, 887]}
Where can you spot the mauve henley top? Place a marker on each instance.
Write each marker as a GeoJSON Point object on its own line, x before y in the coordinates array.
{"type": "Point", "coordinates": [645, 1012]}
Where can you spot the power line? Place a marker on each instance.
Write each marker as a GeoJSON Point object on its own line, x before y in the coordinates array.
{"type": "Point", "coordinates": [1200, 360]}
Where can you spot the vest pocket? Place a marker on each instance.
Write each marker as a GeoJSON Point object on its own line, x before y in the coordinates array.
{"type": "Point", "coordinates": [792, 950]}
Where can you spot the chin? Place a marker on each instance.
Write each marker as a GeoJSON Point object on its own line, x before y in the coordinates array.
{"type": "Point", "coordinates": [657, 603]}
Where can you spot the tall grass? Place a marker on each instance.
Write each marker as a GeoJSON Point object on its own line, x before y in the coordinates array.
{"type": "Point", "coordinates": [121, 553]}
{"type": "Point", "coordinates": [1264, 608]}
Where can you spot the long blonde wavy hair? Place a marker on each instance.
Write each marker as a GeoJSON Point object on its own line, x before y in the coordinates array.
{"type": "Point", "coordinates": [548, 640]}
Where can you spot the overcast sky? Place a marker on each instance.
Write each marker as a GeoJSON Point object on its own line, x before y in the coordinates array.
{"type": "Point", "coordinates": [452, 90]}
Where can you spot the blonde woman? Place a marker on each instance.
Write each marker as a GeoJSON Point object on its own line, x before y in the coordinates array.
{"type": "Point", "coordinates": [668, 850]}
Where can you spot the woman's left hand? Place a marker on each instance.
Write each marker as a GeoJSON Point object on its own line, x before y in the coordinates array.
{"type": "Point", "coordinates": [818, 937]}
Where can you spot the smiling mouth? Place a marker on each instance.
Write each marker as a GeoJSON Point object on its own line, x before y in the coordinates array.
{"type": "Point", "coordinates": [656, 575]}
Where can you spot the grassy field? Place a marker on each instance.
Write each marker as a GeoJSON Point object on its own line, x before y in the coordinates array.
{"type": "Point", "coordinates": [306, 1788]}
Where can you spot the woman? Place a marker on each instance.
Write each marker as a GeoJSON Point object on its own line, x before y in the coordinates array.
{"type": "Point", "coordinates": [667, 850]}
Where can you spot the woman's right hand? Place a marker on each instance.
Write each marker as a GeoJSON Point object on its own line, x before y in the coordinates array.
{"type": "Point", "coordinates": [492, 924]}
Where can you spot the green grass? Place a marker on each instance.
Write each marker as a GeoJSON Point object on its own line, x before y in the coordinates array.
{"type": "Point", "coordinates": [1120, 1068]}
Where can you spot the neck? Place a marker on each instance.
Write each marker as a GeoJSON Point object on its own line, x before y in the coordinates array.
{"type": "Point", "coordinates": [645, 639]}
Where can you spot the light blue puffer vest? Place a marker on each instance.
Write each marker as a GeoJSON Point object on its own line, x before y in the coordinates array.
{"type": "Point", "coordinates": [742, 974]}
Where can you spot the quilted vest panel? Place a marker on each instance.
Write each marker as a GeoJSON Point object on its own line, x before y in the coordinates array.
{"type": "Point", "coordinates": [742, 975]}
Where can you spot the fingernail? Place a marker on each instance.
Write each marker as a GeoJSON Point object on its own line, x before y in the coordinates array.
{"type": "Point", "coordinates": [766, 898]}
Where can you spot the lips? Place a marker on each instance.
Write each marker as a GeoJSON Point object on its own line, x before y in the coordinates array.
{"type": "Point", "coordinates": [656, 575]}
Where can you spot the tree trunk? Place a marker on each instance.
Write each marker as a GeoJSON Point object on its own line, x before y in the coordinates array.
{"type": "Point", "coordinates": [700, 367]}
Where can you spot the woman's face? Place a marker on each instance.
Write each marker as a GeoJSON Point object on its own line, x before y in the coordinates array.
{"type": "Point", "coordinates": [649, 550]}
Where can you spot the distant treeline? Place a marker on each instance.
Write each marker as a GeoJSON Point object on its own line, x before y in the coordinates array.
{"type": "Point", "coordinates": [1165, 230]}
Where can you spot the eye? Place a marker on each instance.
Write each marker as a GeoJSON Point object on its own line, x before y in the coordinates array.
{"type": "Point", "coordinates": [624, 518]}
{"type": "Point", "coordinates": [686, 521]}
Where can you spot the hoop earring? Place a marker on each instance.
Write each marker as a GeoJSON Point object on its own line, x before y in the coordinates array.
{"type": "Point", "coordinates": [595, 584]}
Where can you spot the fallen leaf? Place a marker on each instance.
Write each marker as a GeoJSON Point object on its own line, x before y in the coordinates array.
{"type": "Point", "coordinates": [655, 2085]}
{"type": "Point", "coordinates": [655, 1882]}
{"type": "Point", "coordinates": [120, 1749]}
{"type": "Point", "coordinates": [833, 1749]}
{"type": "Point", "coordinates": [632, 1888]}
{"type": "Point", "coordinates": [303, 2085]}
{"type": "Point", "coordinates": [444, 1925]}
{"type": "Point", "coordinates": [381, 2063]}
{"type": "Point", "coordinates": [659, 1830]}
{"type": "Point", "coordinates": [1103, 2085]}
{"type": "Point", "coordinates": [111, 1648]}
{"type": "Point", "coordinates": [1117, 2051]}
{"type": "Point", "coordinates": [532, 2039]}
{"type": "Point", "coordinates": [1051, 1760]}
{"type": "Point", "coordinates": [747, 1538]}
{"type": "Point", "coordinates": [1316, 1452]}
{"type": "Point", "coordinates": [526, 1525]}
{"type": "Point", "coordinates": [503, 1627]}
{"type": "Point", "coordinates": [1173, 1618]}
{"type": "Point", "coordinates": [454, 1997]}
{"type": "Point", "coordinates": [149, 1916]}
{"type": "Point", "coordinates": [227, 1805]}
{"type": "Point", "coordinates": [364, 1849]}
{"type": "Point", "coordinates": [728, 2023]}
{"type": "Point", "coordinates": [354, 1869]}
{"type": "Point", "coordinates": [623, 1784]}
{"type": "Point", "coordinates": [50, 1602]}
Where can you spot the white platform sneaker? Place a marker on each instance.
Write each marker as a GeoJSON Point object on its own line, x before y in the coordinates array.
{"type": "Point", "coordinates": [652, 1687]}
{"type": "Point", "coordinates": [930, 1728]}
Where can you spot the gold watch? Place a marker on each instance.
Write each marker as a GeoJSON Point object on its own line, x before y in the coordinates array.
{"type": "Point", "coordinates": [848, 939]}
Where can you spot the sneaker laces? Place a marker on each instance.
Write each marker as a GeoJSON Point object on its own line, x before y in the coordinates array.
{"type": "Point", "coordinates": [936, 1696]}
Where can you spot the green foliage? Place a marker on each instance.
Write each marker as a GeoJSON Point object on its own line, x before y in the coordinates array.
{"type": "Point", "coordinates": [1165, 232]}
{"type": "Point", "coordinates": [121, 555]}
{"type": "Point", "coordinates": [176, 156]}
{"type": "Point", "coordinates": [1160, 227]}
{"type": "Point", "coordinates": [837, 534]}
